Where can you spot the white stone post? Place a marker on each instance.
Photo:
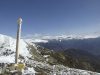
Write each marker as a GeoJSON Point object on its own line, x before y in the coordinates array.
{"type": "Point", "coordinates": [18, 39]}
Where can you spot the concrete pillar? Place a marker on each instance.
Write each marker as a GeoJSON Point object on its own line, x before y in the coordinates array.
{"type": "Point", "coordinates": [18, 39]}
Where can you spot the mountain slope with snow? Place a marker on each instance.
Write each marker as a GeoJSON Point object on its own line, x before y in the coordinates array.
{"type": "Point", "coordinates": [35, 57]}
{"type": "Point", "coordinates": [8, 48]}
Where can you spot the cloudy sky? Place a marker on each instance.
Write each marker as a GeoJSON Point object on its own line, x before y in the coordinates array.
{"type": "Point", "coordinates": [53, 17]}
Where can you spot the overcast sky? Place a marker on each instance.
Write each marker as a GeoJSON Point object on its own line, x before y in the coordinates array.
{"type": "Point", "coordinates": [52, 17]}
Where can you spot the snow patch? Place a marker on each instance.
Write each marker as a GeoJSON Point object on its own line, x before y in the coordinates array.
{"type": "Point", "coordinates": [8, 49]}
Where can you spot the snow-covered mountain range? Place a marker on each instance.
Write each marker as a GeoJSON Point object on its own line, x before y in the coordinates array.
{"type": "Point", "coordinates": [88, 42]}
{"type": "Point", "coordinates": [36, 56]}
{"type": "Point", "coordinates": [38, 38]}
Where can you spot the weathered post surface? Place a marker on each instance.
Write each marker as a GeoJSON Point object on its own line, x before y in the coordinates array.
{"type": "Point", "coordinates": [18, 39]}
